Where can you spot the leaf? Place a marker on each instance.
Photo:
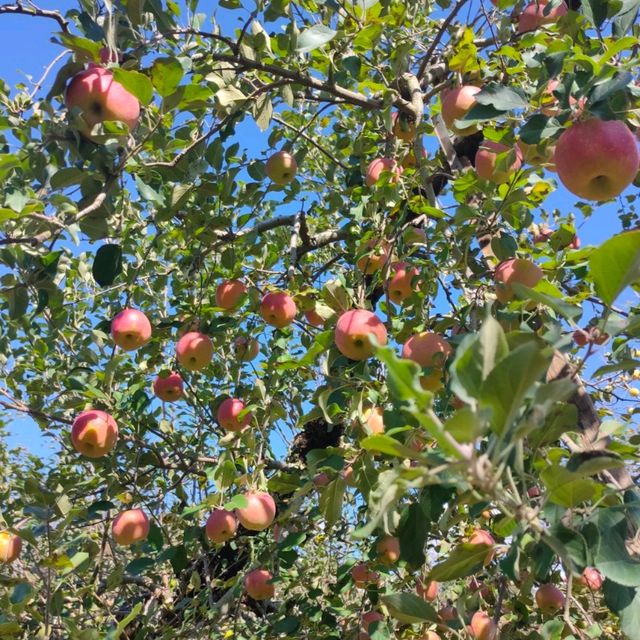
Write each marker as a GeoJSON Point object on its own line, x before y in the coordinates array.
{"type": "Point", "coordinates": [568, 488]}
{"type": "Point", "coordinates": [382, 443]}
{"type": "Point", "coordinates": [237, 502]}
{"type": "Point", "coordinates": [331, 500]}
{"type": "Point", "coordinates": [148, 193]}
{"type": "Point", "coordinates": [20, 592]}
{"type": "Point", "coordinates": [262, 111]}
{"type": "Point", "coordinates": [562, 308]}
{"type": "Point", "coordinates": [402, 378]}
{"type": "Point", "coordinates": [125, 622]}
{"type": "Point", "coordinates": [625, 601]}
{"type": "Point", "coordinates": [67, 176]}
{"type": "Point", "coordinates": [166, 74]}
{"type": "Point", "coordinates": [227, 97]}
{"type": "Point", "coordinates": [465, 560]}
{"type": "Point", "coordinates": [615, 264]}
{"type": "Point", "coordinates": [18, 301]}
{"type": "Point", "coordinates": [502, 98]}
{"type": "Point", "coordinates": [412, 532]}
{"type": "Point", "coordinates": [314, 37]}
{"type": "Point", "coordinates": [84, 48]}
{"type": "Point", "coordinates": [107, 264]}
{"type": "Point", "coordinates": [136, 83]}
{"type": "Point", "coordinates": [409, 608]}
{"type": "Point", "coordinates": [612, 558]}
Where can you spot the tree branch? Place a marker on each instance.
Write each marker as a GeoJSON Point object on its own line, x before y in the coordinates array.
{"type": "Point", "coordinates": [36, 12]}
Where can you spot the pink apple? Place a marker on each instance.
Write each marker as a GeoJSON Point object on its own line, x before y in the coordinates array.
{"type": "Point", "coordinates": [388, 549]}
{"type": "Point", "coordinates": [169, 388]}
{"type": "Point", "coordinates": [429, 590]}
{"type": "Point", "coordinates": [400, 283]}
{"type": "Point", "coordinates": [221, 526]}
{"type": "Point", "coordinates": [456, 103]}
{"type": "Point", "coordinates": [549, 598]}
{"type": "Point", "coordinates": [278, 309]}
{"type": "Point", "coordinates": [515, 270]}
{"type": "Point", "coordinates": [194, 351]}
{"type": "Point", "coordinates": [483, 627]}
{"type": "Point", "coordinates": [229, 294]}
{"type": "Point", "coordinates": [130, 526]}
{"type": "Point", "coordinates": [130, 329]}
{"type": "Point", "coordinates": [487, 161]}
{"type": "Point", "coordinates": [369, 618]}
{"type": "Point", "coordinates": [427, 349]}
{"type": "Point", "coordinates": [362, 575]}
{"type": "Point", "coordinates": [257, 584]}
{"type": "Point", "coordinates": [94, 433]}
{"type": "Point", "coordinates": [374, 419]}
{"type": "Point", "coordinates": [321, 479]}
{"type": "Point", "coordinates": [281, 167]}
{"type": "Point", "coordinates": [259, 512]}
{"type": "Point", "coordinates": [314, 318]}
{"type": "Point", "coordinates": [353, 330]}
{"type": "Point", "coordinates": [536, 15]}
{"type": "Point", "coordinates": [480, 536]}
{"type": "Point", "coordinates": [591, 578]}
{"type": "Point", "coordinates": [380, 165]}
{"type": "Point", "coordinates": [228, 415]}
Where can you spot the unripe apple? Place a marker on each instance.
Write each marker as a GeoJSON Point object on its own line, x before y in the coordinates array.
{"type": "Point", "coordinates": [404, 127]}
{"type": "Point", "coordinates": [228, 415]}
{"type": "Point", "coordinates": [482, 627]}
{"type": "Point", "coordinates": [314, 318]}
{"type": "Point", "coordinates": [353, 330]}
{"type": "Point", "coordinates": [388, 549]}
{"type": "Point", "coordinates": [549, 598]}
{"type": "Point", "coordinates": [278, 309]}
{"type": "Point", "coordinates": [597, 159]}
{"type": "Point", "coordinates": [221, 526]}
{"type": "Point", "coordinates": [281, 167]}
{"type": "Point", "coordinates": [515, 270]}
{"type": "Point", "coordinates": [591, 578]}
{"type": "Point", "coordinates": [362, 576]}
{"type": "Point", "coordinates": [246, 349]}
{"type": "Point", "coordinates": [130, 329]}
{"type": "Point", "coordinates": [428, 590]}
{"type": "Point", "coordinates": [375, 259]}
{"type": "Point", "coordinates": [259, 512]}
{"type": "Point", "coordinates": [257, 584]}
{"type": "Point", "coordinates": [456, 103]}
{"type": "Point", "coordinates": [130, 526]}
{"type": "Point", "coordinates": [480, 536]}
{"type": "Point", "coordinates": [101, 98]}
{"type": "Point", "coordinates": [374, 419]}
{"type": "Point", "coordinates": [400, 282]}
{"type": "Point", "coordinates": [229, 294]}
{"type": "Point", "coordinates": [94, 433]}
{"type": "Point", "coordinates": [376, 168]}
{"type": "Point", "coordinates": [535, 15]}
{"type": "Point", "coordinates": [10, 547]}
{"type": "Point", "coordinates": [487, 161]}
{"type": "Point", "coordinates": [194, 351]}
{"type": "Point", "coordinates": [427, 349]}
{"type": "Point", "coordinates": [169, 388]}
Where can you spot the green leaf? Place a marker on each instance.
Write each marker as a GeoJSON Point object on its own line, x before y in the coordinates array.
{"type": "Point", "coordinates": [538, 128]}
{"type": "Point", "coordinates": [382, 443]}
{"type": "Point", "coordinates": [148, 193]}
{"type": "Point", "coordinates": [136, 83]}
{"type": "Point", "coordinates": [331, 500]}
{"type": "Point", "coordinates": [465, 560]}
{"type": "Point", "coordinates": [409, 608]}
{"type": "Point", "coordinates": [625, 601]}
{"type": "Point", "coordinates": [568, 488]}
{"type": "Point", "coordinates": [66, 177]}
{"type": "Point", "coordinates": [84, 48]}
{"type": "Point", "coordinates": [166, 74]}
{"type": "Point", "coordinates": [314, 37]}
{"type": "Point", "coordinates": [562, 308]}
{"type": "Point", "coordinates": [237, 502]}
{"type": "Point", "coordinates": [615, 265]}
{"type": "Point", "coordinates": [18, 301]}
{"type": "Point", "coordinates": [502, 97]}
{"type": "Point", "coordinates": [612, 558]}
{"type": "Point", "coordinates": [21, 592]}
{"type": "Point", "coordinates": [107, 264]}
{"type": "Point", "coordinates": [412, 532]}
{"type": "Point", "coordinates": [403, 379]}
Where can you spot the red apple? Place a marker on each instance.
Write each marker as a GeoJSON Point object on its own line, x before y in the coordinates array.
{"type": "Point", "coordinates": [278, 309]}
{"type": "Point", "coordinates": [483, 627]}
{"type": "Point", "coordinates": [536, 15]}
{"type": "Point", "coordinates": [228, 415]}
{"type": "Point", "coordinates": [404, 126]}
{"type": "Point", "coordinates": [549, 598]}
{"type": "Point", "coordinates": [591, 578]}
{"type": "Point", "coordinates": [597, 159]}
{"type": "Point", "coordinates": [533, 492]}
{"type": "Point", "coordinates": [259, 512]}
{"type": "Point", "coordinates": [581, 337]}
{"type": "Point", "coordinates": [447, 614]}
{"type": "Point", "coordinates": [169, 388]}
{"type": "Point", "coordinates": [362, 575]}
{"type": "Point", "coordinates": [10, 547]}
{"type": "Point", "coordinates": [456, 103]}
{"type": "Point", "coordinates": [194, 351]}
{"type": "Point", "coordinates": [321, 480]}
{"type": "Point", "coordinates": [368, 619]}
{"type": "Point", "coordinates": [281, 167]}
{"type": "Point", "coordinates": [400, 282]}
{"type": "Point", "coordinates": [388, 549]}
{"type": "Point", "coordinates": [515, 270]}
{"type": "Point", "coordinates": [428, 590]}
{"type": "Point", "coordinates": [427, 349]}
{"type": "Point", "coordinates": [257, 584]}
{"type": "Point", "coordinates": [94, 433]}
{"type": "Point", "coordinates": [130, 526]}
{"type": "Point", "coordinates": [246, 349]}
{"type": "Point", "coordinates": [353, 330]}
{"type": "Point", "coordinates": [221, 526]}
{"type": "Point", "coordinates": [229, 294]}
{"type": "Point", "coordinates": [487, 161]}
{"type": "Point", "coordinates": [130, 329]}
{"type": "Point", "coordinates": [480, 536]}
{"type": "Point", "coordinates": [378, 166]}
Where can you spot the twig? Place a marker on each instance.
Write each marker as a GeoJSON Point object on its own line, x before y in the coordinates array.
{"type": "Point", "coordinates": [36, 12]}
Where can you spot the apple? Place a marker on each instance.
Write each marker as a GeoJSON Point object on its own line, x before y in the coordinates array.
{"type": "Point", "coordinates": [533, 492]}
{"type": "Point", "coordinates": [169, 388]}
{"type": "Point", "coordinates": [480, 587]}
{"type": "Point", "coordinates": [378, 166]}
{"type": "Point", "coordinates": [10, 547]}
{"type": "Point", "coordinates": [409, 161]}
{"type": "Point", "coordinates": [427, 349]}
{"type": "Point", "coordinates": [221, 526]}
{"type": "Point", "coordinates": [404, 126]}
{"type": "Point", "coordinates": [515, 270]}
{"type": "Point", "coordinates": [591, 578]}
{"type": "Point", "coordinates": [428, 591]}
{"type": "Point", "coordinates": [130, 526]}
{"type": "Point", "coordinates": [581, 337]}
{"type": "Point", "coordinates": [597, 159]}
{"type": "Point", "coordinates": [456, 103]}
{"type": "Point", "coordinates": [347, 474]}
{"type": "Point", "coordinates": [108, 55]}
{"type": "Point", "coordinates": [353, 330]}
{"type": "Point", "coordinates": [375, 259]}
{"type": "Point", "coordinates": [448, 613]}
{"type": "Point", "coordinates": [94, 433]}
{"type": "Point", "coordinates": [388, 549]}
{"type": "Point", "coordinates": [228, 415]}
{"type": "Point", "coordinates": [367, 620]}
{"type": "Point", "coordinates": [101, 98]}
{"type": "Point", "coordinates": [314, 318]}
{"type": "Point", "coordinates": [480, 536]}
{"type": "Point", "coordinates": [487, 161]}
{"type": "Point", "coordinates": [281, 167]}
{"type": "Point", "coordinates": [278, 309]}
{"type": "Point", "coordinates": [483, 627]}
{"type": "Point", "coordinates": [247, 349]}
{"type": "Point", "coordinates": [194, 350]}
{"type": "Point", "coordinates": [130, 329]}
{"type": "Point", "coordinates": [549, 598]}
{"type": "Point", "coordinates": [374, 420]}
{"type": "Point", "coordinates": [538, 154]}
{"type": "Point", "coordinates": [257, 584]}
{"type": "Point", "coordinates": [229, 294]}
{"type": "Point", "coordinates": [400, 282]}
{"type": "Point", "coordinates": [321, 479]}
{"type": "Point", "coordinates": [259, 512]}
{"type": "Point", "coordinates": [536, 15]}
{"type": "Point", "coordinates": [362, 575]}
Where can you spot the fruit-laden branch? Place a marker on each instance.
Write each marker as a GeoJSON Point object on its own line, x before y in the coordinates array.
{"type": "Point", "coordinates": [36, 12]}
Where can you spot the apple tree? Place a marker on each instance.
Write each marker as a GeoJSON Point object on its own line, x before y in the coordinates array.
{"type": "Point", "coordinates": [298, 298]}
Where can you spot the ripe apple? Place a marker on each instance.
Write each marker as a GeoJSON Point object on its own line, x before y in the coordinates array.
{"type": "Point", "coordinates": [259, 512]}
{"type": "Point", "coordinates": [94, 433]}
{"type": "Point", "coordinates": [278, 309]}
{"type": "Point", "coordinates": [130, 526]}
{"type": "Point", "coordinates": [404, 127]}
{"type": "Point", "coordinates": [347, 474]}
{"type": "Point", "coordinates": [400, 282]}
{"type": "Point", "coordinates": [447, 614]}
{"type": "Point", "coordinates": [130, 329]}
{"type": "Point", "coordinates": [194, 351]}
{"type": "Point", "coordinates": [428, 591]}
{"type": "Point", "coordinates": [362, 575]}
{"type": "Point", "coordinates": [257, 584]}
{"type": "Point", "coordinates": [487, 161]}
{"type": "Point", "coordinates": [483, 627]}
{"type": "Point", "coordinates": [108, 55]}
{"type": "Point", "coordinates": [228, 415]}
{"type": "Point", "coordinates": [314, 318]}
{"type": "Point", "coordinates": [427, 349]}
{"type": "Point", "coordinates": [10, 547]}
{"type": "Point", "coordinates": [353, 330]}
{"type": "Point", "coordinates": [515, 270]}
{"type": "Point", "coordinates": [535, 15]}
{"type": "Point", "coordinates": [246, 348]}
{"type": "Point", "coordinates": [581, 337]}
{"type": "Point", "coordinates": [221, 526]}
{"type": "Point", "coordinates": [533, 492]}
{"type": "Point", "coordinates": [101, 98]}
{"type": "Point", "coordinates": [549, 598]}
{"type": "Point", "coordinates": [375, 259]}
{"type": "Point", "coordinates": [388, 549]}
{"type": "Point", "coordinates": [591, 578]}
{"type": "Point", "coordinates": [281, 167]}
{"type": "Point", "coordinates": [321, 479]}
{"type": "Point", "coordinates": [169, 388]}
{"type": "Point", "coordinates": [367, 620]}
{"type": "Point", "coordinates": [597, 159]}
{"type": "Point", "coordinates": [480, 536]}
{"type": "Point", "coordinates": [377, 166]}
{"type": "Point", "coordinates": [374, 420]}
{"type": "Point", "coordinates": [456, 103]}
{"type": "Point", "coordinates": [229, 294]}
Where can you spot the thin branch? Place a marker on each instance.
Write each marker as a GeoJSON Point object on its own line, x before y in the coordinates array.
{"type": "Point", "coordinates": [36, 12]}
